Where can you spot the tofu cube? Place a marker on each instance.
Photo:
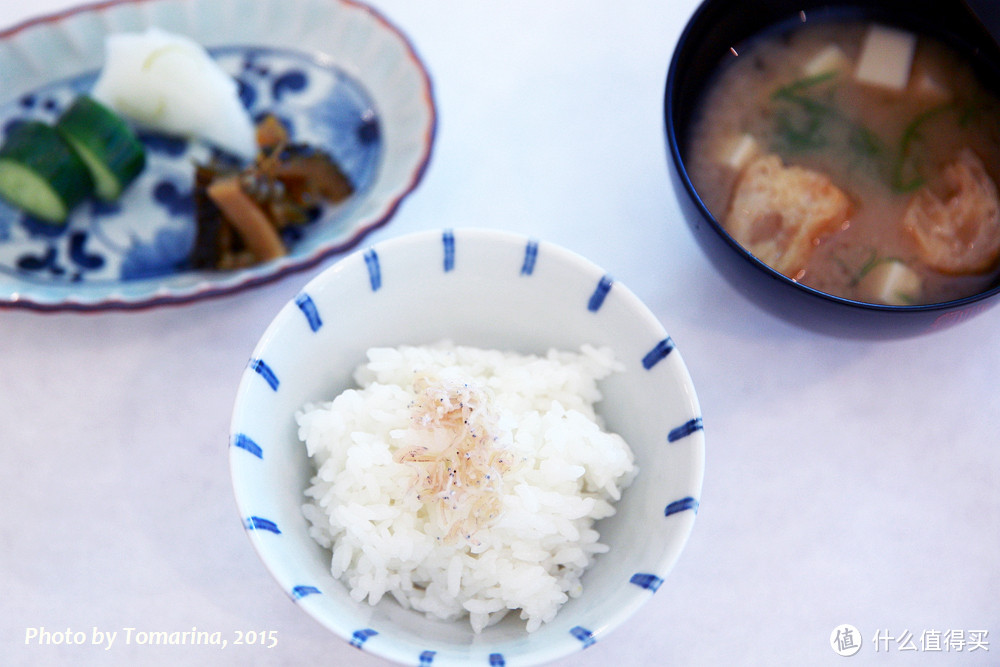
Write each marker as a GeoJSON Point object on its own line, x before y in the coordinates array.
{"type": "Point", "coordinates": [830, 58]}
{"type": "Point", "coordinates": [930, 88]}
{"type": "Point", "coordinates": [736, 152]}
{"type": "Point", "coordinates": [886, 57]}
{"type": "Point", "coordinates": [892, 283]}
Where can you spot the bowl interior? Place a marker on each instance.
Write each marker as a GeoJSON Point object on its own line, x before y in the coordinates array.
{"type": "Point", "coordinates": [488, 289]}
{"type": "Point", "coordinates": [719, 25]}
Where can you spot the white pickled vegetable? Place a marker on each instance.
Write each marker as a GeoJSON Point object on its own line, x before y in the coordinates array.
{"type": "Point", "coordinates": [168, 82]}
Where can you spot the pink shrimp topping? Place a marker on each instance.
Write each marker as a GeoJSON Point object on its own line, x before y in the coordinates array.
{"type": "Point", "coordinates": [460, 466]}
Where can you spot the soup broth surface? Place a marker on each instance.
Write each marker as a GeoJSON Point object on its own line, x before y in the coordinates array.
{"type": "Point", "coordinates": [797, 95]}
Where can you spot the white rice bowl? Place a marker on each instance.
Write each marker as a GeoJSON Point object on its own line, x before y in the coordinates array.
{"type": "Point", "coordinates": [497, 291]}
{"type": "Point", "coordinates": [565, 474]}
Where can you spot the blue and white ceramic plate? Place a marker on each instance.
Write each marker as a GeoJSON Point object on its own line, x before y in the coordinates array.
{"type": "Point", "coordinates": [336, 71]}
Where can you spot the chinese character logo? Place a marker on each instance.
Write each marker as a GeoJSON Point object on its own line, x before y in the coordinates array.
{"type": "Point", "coordinates": [845, 640]}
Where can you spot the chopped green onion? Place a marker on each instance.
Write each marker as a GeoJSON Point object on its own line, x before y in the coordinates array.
{"type": "Point", "coordinates": [906, 173]}
{"type": "Point", "coordinates": [791, 89]}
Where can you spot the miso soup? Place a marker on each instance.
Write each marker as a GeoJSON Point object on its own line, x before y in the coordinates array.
{"type": "Point", "coordinates": [856, 158]}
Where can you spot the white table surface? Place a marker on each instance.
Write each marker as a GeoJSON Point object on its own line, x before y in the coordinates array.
{"type": "Point", "coordinates": [846, 481]}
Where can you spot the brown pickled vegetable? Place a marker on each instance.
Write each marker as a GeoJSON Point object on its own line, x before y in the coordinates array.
{"type": "Point", "coordinates": [239, 209]}
{"type": "Point", "coordinates": [242, 212]}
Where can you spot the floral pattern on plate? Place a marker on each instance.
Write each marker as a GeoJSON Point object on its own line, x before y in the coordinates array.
{"type": "Point", "coordinates": [150, 232]}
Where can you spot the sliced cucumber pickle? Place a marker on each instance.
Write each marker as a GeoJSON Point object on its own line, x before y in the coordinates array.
{"type": "Point", "coordinates": [106, 143]}
{"type": "Point", "coordinates": [40, 173]}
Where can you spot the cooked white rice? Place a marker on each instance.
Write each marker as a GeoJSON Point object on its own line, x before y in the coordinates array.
{"type": "Point", "coordinates": [515, 531]}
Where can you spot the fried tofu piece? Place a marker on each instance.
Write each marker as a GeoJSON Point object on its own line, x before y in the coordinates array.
{"type": "Point", "coordinates": [958, 234]}
{"type": "Point", "coordinates": [780, 213]}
